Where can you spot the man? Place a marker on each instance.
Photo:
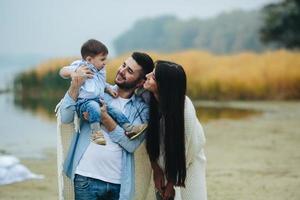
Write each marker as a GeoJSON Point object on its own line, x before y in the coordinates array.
{"type": "Point", "coordinates": [107, 172]}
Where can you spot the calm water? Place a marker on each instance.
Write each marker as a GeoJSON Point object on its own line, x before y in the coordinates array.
{"type": "Point", "coordinates": [23, 133]}
{"type": "Point", "coordinates": [27, 129]}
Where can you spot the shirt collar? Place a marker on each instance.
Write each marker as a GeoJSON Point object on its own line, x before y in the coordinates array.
{"type": "Point", "coordinates": [91, 66]}
{"type": "Point", "coordinates": [131, 99]}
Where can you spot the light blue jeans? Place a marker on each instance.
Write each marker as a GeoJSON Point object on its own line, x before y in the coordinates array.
{"type": "Point", "coordinates": [93, 189]}
{"type": "Point", "coordinates": [92, 106]}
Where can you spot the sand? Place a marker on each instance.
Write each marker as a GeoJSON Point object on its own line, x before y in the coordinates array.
{"type": "Point", "coordinates": [252, 158]}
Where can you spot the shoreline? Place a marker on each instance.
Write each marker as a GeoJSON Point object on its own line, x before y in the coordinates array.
{"type": "Point", "coordinates": [45, 189]}
{"type": "Point", "coordinates": [251, 158]}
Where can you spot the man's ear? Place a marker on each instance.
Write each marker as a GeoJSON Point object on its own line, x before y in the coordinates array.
{"type": "Point", "coordinates": [140, 83]}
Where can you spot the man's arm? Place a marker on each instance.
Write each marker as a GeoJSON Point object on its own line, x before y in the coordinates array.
{"type": "Point", "coordinates": [117, 134]}
{"type": "Point", "coordinates": [65, 72]}
{"type": "Point", "coordinates": [67, 108]}
{"type": "Point", "coordinates": [75, 70]}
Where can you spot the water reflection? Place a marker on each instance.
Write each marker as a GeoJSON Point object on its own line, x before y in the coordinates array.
{"type": "Point", "coordinates": [23, 133]}
{"type": "Point", "coordinates": [45, 109]}
{"type": "Point", "coordinates": [208, 113]}
{"type": "Point", "coordinates": [41, 107]}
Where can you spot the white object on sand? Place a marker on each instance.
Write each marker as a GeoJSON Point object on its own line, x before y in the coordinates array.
{"type": "Point", "coordinates": [11, 171]}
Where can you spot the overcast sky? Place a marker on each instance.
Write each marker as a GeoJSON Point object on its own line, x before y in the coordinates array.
{"type": "Point", "coordinates": [59, 27]}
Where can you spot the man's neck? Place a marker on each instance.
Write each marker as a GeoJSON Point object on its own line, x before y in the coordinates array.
{"type": "Point", "coordinates": [126, 94]}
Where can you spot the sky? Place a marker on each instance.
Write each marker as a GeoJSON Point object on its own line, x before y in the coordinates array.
{"type": "Point", "coordinates": [59, 27]}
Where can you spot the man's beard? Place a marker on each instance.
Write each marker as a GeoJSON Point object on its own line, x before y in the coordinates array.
{"type": "Point", "coordinates": [128, 85]}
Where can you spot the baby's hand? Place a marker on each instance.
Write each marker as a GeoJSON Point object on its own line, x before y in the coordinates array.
{"type": "Point", "coordinates": [112, 92]}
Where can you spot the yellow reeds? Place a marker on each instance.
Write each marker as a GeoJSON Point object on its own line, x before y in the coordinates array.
{"type": "Point", "coordinates": [269, 75]}
{"type": "Point", "coordinates": [52, 65]}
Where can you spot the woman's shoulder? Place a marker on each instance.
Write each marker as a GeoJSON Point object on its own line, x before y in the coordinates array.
{"type": "Point", "coordinates": [189, 113]}
{"type": "Point", "coordinates": [193, 128]}
{"type": "Point", "coordinates": [189, 106]}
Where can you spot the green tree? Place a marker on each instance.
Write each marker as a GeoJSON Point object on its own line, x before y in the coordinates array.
{"type": "Point", "coordinates": [282, 24]}
{"type": "Point", "coordinates": [227, 33]}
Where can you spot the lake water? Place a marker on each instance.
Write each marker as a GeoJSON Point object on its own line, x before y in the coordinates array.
{"type": "Point", "coordinates": [23, 133]}
{"type": "Point", "coordinates": [27, 132]}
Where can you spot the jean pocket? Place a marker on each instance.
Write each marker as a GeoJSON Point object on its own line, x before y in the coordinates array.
{"type": "Point", "coordinates": [81, 182]}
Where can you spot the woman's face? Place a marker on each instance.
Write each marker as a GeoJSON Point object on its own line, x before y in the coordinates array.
{"type": "Point", "coordinates": [150, 84]}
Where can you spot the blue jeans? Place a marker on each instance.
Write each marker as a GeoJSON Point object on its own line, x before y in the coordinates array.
{"type": "Point", "coordinates": [92, 106]}
{"type": "Point", "coordinates": [93, 189]}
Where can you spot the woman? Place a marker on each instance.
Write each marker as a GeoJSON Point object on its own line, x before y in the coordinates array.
{"type": "Point", "coordinates": [175, 138]}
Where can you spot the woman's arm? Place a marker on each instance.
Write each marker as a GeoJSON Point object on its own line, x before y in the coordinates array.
{"type": "Point", "coordinates": [158, 177]}
{"type": "Point", "coordinates": [194, 134]}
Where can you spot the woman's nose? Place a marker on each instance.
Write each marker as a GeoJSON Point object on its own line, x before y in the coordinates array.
{"type": "Point", "coordinates": [147, 75]}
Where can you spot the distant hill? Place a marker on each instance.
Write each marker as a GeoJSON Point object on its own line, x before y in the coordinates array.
{"type": "Point", "coordinates": [227, 33]}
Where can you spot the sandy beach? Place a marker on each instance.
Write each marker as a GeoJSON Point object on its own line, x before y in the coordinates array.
{"type": "Point", "coordinates": [252, 158]}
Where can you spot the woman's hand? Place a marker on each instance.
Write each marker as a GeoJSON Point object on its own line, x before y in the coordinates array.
{"type": "Point", "coordinates": [159, 178]}
{"type": "Point", "coordinates": [169, 191]}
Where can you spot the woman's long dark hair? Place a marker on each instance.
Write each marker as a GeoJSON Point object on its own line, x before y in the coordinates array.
{"type": "Point", "coordinates": [171, 83]}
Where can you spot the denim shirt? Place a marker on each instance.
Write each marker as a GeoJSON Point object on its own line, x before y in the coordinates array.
{"type": "Point", "coordinates": [137, 111]}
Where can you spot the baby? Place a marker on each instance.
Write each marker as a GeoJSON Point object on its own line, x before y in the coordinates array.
{"type": "Point", "coordinates": [91, 93]}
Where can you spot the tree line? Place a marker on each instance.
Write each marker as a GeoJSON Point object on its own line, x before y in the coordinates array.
{"type": "Point", "coordinates": [277, 25]}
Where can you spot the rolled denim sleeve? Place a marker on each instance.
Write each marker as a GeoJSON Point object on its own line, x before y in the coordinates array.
{"type": "Point", "coordinates": [67, 109]}
{"type": "Point", "coordinates": [118, 136]}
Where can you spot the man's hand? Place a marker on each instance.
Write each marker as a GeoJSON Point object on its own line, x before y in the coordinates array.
{"type": "Point", "coordinates": [84, 72]}
{"type": "Point", "coordinates": [78, 77]}
{"type": "Point", "coordinates": [85, 115]}
{"type": "Point", "coordinates": [108, 122]}
{"type": "Point", "coordinates": [103, 107]}
{"type": "Point", "coordinates": [103, 111]}
{"type": "Point", "coordinates": [169, 192]}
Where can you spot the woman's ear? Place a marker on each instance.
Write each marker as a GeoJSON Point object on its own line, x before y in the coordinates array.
{"type": "Point", "coordinates": [140, 84]}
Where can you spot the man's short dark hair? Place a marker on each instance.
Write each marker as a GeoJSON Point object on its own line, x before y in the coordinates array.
{"type": "Point", "coordinates": [144, 60]}
{"type": "Point", "coordinates": [93, 48]}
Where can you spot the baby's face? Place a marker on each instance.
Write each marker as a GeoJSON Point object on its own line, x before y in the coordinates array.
{"type": "Point", "coordinates": [99, 61]}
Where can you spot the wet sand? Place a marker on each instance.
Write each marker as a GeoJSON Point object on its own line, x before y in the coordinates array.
{"type": "Point", "coordinates": [252, 158]}
{"type": "Point", "coordinates": [255, 158]}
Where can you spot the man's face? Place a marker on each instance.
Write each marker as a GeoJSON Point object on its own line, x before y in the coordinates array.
{"type": "Point", "coordinates": [129, 75]}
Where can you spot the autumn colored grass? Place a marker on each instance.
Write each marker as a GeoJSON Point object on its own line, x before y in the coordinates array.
{"type": "Point", "coordinates": [270, 75]}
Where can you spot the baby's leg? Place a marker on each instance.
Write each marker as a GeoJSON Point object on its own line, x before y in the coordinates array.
{"type": "Point", "coordinates": [132, 131]}
{"type": "Point", "coordinates": [93, 109]}
{"type": "Point", "coordinates": [117, 115]}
